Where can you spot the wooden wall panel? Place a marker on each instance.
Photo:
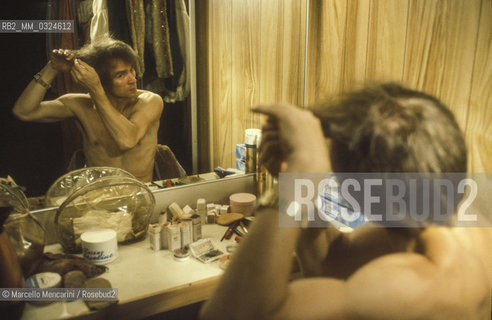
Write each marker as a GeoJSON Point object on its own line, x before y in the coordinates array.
{"type": "Point", "coordinates": [441, 46]}
{"type": "Point", "coordinates": [245, 66]}
{"type": "Point", "coordinates": [356, 38]}
{"type": "Point", "coordinates": [255, 55]}
{"type": "Point", "coordinates": [479, 121]}
{"type": "Point", "coordinates": [221, 81]}
{"type": "Point", "coordinates": [270, 54]}
{"type": "Point", "coordinates": [293, 32]}
{"type": "Point", "coordinates": [326, 77]}
{"type": "Point", "coordinates": [386, 40]}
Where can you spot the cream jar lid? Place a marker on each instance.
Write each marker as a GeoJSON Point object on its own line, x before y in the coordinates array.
{"type": "Point", "coordinates": [242, 198]}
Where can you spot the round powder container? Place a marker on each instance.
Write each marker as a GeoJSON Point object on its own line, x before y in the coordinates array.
{"type": "Point", "coordinates": [181, 254]}
{"type": "Point", "coordinates": [99, 246]}
{"type": "Point", "coordinates": [242, 203]}
{"type": "Point", "coordinates": [43, 280]}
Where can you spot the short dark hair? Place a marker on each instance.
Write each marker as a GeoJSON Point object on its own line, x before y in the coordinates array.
{"type": "Point", "coordinates": [390, 128]}
{"type": "Point", "coordinates": [387, 129]}
{"type": "Point", "coordinates": [104, 49]}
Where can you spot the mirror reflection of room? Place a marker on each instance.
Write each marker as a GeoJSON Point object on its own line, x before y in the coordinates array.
{"type": "Point", "coordinates": [167, 250]}
{"type": "Point", "coordinates": [86, 82]}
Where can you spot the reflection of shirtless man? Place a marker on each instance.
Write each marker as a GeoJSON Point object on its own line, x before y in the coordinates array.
{"type": "Point", "coordinates": [118, 122]}
{"type": "Point", "coordinates": [374, 272]}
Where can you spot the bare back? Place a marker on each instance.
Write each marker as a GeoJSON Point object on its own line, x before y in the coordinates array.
{"type": "Point", "coordinates": [100, 148]}
{"type": "Point", "coordinates": [445, 274]}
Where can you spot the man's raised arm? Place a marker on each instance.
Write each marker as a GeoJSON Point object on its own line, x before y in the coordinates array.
{"type": "Point", "coordinates": [30, 105]}
{"type": "Point", "coordinates": [126, 132]}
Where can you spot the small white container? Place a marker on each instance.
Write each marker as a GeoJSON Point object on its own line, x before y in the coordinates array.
{"type": "Point", "coordinates": [99, 246]}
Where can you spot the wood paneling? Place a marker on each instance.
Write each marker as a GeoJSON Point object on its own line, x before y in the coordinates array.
{"type": "Point", "coordinates": [222, 81]}
{"type": "Point", "coordinates": [441, 46]}
{"type": "Point", "coordinates": [256, 54]}
{"type": "Point", "coordinates": [329, 47]}
{"type": "Point", "coordinates": [245, 67]}
{"type": "Point", "coordinates": [386, 40]}
{"type": "Point", "coordinates": [356, 44]}
{"type": "Point", "coordinates": [479, 122]}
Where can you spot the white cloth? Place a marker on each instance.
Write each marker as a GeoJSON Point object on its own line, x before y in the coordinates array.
{"type": "Point", "coordinates": [99, 22]}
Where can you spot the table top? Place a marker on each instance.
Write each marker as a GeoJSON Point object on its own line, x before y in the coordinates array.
{"type": "Point", "coordinates": [148, 282]}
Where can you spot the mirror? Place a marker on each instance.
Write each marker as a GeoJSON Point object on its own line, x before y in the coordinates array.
{"type": "Point", "coordinates": [246, 53]}
{"type": "Point", "coordinates": [36, 154]}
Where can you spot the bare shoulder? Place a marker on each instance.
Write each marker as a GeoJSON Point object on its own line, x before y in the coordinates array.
{"type": "Point", "coordinates": [150, 97]}
{"type": "Point", "coordinates": [411, 285]}
{"type": "Point", "coordinates": [394, 286]}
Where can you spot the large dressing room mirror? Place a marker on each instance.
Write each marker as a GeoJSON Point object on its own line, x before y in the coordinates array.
{"type": "Point", "coordinates": [35, 154]}
{"type": "Point", "coordinates": [241, 53]}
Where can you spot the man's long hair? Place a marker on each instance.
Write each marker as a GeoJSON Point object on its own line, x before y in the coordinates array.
{"type": "Point", "coordinates": [104, 49]}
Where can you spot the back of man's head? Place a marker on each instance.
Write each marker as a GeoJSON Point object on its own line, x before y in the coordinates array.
{"type": "Point", "coordinates": [397, 133]}
{"type": "Point", "coordinates": [102, 51]}
{"type": "Point", "coordinates": [389, 128]}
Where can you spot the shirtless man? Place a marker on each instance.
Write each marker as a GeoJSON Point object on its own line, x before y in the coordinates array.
{"type": "Point", "coordinates": [372, 273]}
{"type": "Point", "coordinates": [118, 122]}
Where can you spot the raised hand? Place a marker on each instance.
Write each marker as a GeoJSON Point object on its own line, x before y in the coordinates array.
{"type": "Point", "coordinates": [62, 60]}
{"type": "Point", "coordinates": [85, 75]}
{"type": "Point", "coordinates": [292, 140]}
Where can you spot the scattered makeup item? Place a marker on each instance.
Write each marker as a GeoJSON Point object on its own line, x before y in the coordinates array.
{"type": "Point", "coordinates": [224, 209]}
{"type": "Point", "coordinates": [186, 229]}
{"type": "Point", "coordinates": [227, 219]}
{"type": "Point", "coordinates": [181, 254]}
{"type": "Point", "coordinates": [163, 236]}
{"type": "Point", "coordinates": [243, 203]}
{"type": "Point", "coordinates": [205, 250]}
{"type": "Point", "coordinates": [175, 210]}
{"type": "Point", "coordinates": [163, 217]}
{"type": "Point", "coordinates": [173, 237]}
{"type": "Point", "coordinates": [228, 234]}
{"type": "Point", "coordinates": [188, 211]}
{"type": "Point", "coordinates": [43, 280]}
{"type": "Point", "coordinates": [154, 236]}
{"type": "Point", "coordinates": [243, 227]}
{"type": "Point", "coordinates": [74, 279]}
{"type": "Point", "coordinates": [98, 283]}
{"type": "Point", "coordinates": [99, 246]}
{"type": "Point", "coordinates": [237, 232]}
{"type": "Point", "coordinates": [201, 209]}
{"type": "Point", "coordinates": [197, 227]}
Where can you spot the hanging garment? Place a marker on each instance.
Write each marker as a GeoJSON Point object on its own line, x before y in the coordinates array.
{"type": "Point", "coordinates": [160, 39]}
{"type": "Point", "coordinates": [84, 18]}
{"type": "Point", "coordinates": [183, 34]}
{"type": "Point", "coordinates": [136, 14]}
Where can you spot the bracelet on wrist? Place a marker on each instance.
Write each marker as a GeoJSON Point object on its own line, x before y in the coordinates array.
{"type": "Point", "coordinates": [37, 78]}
